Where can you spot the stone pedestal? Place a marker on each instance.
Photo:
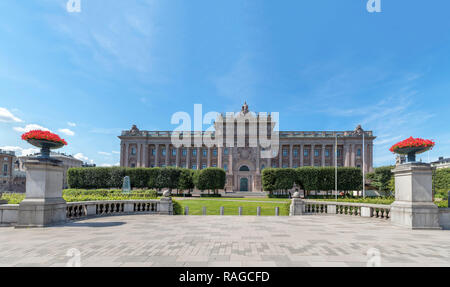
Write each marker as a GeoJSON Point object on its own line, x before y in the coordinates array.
{"type": "Point", "coordinates": [165, 206]}
{"type": "Point", "coordinates": [43, 204]}
{"type": "Point", "coordinates": [413, 206]}
{"type": "Point", "coordinates": [297, 207]}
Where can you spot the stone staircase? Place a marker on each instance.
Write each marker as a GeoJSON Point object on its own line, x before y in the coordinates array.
{"type": "Point", "coordinates": [240, 194]}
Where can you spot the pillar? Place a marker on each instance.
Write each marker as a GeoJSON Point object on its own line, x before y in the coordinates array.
{"type": "Point", "coordinates": [138, 155]}
{"type": "Point", "coordinates": [43, 204]}
{"type": "Point", "coordinates": [208, 160]}
{"type": "Point", "coordinates": [311, 155]}
{"type": "Point", "coordinates": [323, 155]}
{"type": "Point", "coordinates": [220, 157]}
{"type": "Point", "coordinates": [280, 157]}
{"type": "Point", "coordinates": [167, 154]}
{"type": "Point", "coordinates": [413, 206]}
{"type": "Point", "coordinates": [177, 161]}
{"type": "Point", "coordinates": [198, 157]}
{"type": "Point", "coordinates": [127, 146]}
{"type": "Point", "coordinates": [301, 155]}
{"type": "Point", "coordinates": [188, 157]}
{"type": "Point", "coordinates": [290, 155]}
{"type": "Point", "coordinates": [146, 163]}
{"type": "Point", "coordinates": [156, 155]}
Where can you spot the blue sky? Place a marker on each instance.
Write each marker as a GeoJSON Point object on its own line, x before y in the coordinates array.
{"type": "Point", "coordinates": [322, 64]}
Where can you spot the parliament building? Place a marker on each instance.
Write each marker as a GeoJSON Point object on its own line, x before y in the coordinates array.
{"type": "Point", "coordinates": [244, 162]}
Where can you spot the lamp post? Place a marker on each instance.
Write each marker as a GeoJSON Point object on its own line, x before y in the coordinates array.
{"type": "Point", "coordinates": [363, 166]}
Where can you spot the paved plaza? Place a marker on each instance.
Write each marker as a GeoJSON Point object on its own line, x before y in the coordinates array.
{"type": "Point", "coordinates": [151, 240]}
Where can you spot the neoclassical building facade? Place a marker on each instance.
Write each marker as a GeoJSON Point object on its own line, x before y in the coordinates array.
{"type": "Point", "coordinates": [243, 160]}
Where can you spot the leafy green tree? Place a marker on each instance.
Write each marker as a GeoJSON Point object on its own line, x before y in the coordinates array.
{"type": "Point", "coordinates": [381, 179]}
{"type": "Point", "coordinates": [268, 179]}
{"type": "Point", "coordinates": [186, 181]}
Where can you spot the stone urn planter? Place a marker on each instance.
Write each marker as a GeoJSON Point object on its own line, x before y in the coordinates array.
{"type": "Point", "coordinates": [411, 147]}
{"type": "Point", "coordinates": [44, 140]}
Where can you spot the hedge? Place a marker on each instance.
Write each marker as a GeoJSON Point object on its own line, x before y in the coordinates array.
{"type": "Point", "coordinates": [311, 178]}
{"type": "Point", "coordinates": [146, 178]}
{"type": "Point", "coordinates": [441, 178]}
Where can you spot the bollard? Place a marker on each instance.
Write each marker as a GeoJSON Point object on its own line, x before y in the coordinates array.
{"type": "Point", "coordinates": [186, 210]}
{"type": "Point", "coordinates": [240, 210]}
{"type": "Point", "coordinates": [204, 210]}
{"type": "Point", "coordinates": [222, 210]}
{"type": "Point", "coordinates": [277, 211]}
{"type": "Point", "coordinates": [258, 211]}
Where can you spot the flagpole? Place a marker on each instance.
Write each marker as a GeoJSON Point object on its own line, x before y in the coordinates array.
{"type": "Point", "coordinates": [335, 168]}
{"type": "Point", "coordinates": [363, 166]}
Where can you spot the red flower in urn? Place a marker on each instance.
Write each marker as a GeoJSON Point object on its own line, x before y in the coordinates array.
{"type": "Point", "coordinates": [43, 135]}
{"type": "Point", "coordinates": [44, 140]}
{"type": "Point", "coordinates": [412, 146]}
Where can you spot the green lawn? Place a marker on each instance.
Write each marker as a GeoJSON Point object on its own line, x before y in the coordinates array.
{"type": "Point", "coordinates": [231, 207]}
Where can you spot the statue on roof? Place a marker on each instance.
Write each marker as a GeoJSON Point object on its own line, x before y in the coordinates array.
{"type": "Point", "coordinates": [245, 108]}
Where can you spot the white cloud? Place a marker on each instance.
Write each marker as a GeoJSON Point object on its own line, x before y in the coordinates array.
{"type": "Point", "coordinates": [67, 132]}
{"type": "Point", "coordinates": [81, 157]}
{"type": "Point", "coordinates": [30, 127]}
{"type": "Point", "coordinates": [72, 124]}
{"type": "Point", "coordinates": [115, 152]}
{"type": "Point", "coordinates": [108, 164]}
{"type": "Point", "coordinates": [6, 116]}
{"type": "Point", "coordinates": [20, 151]}
{"type": "Point", "coordinates": [104, 153]}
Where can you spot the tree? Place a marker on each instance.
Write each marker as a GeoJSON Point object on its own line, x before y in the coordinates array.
{"type": "Point", "coordinates": [168, 178]}
{"type": "Point", "coordinates": [268, 179]}
{"type": "Point", "coordinates": [381, 179]}
{"type": "Point", "coordinates": [284, 179]}
{"type": "Point", "coordinates": [186, 180]}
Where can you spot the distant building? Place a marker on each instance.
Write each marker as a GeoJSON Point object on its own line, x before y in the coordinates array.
{"type": "Point", "coordinates": [68, 161]}
{"type": "Point", "coordinates": [11, 179]}
{"type": "Point", "coordinates": [441, 163]}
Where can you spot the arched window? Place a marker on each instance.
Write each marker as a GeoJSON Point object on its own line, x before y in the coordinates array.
{"type": "Point", "coordinates": [263, 167]}
{"type": "Point", "coordinates": [244, 168]}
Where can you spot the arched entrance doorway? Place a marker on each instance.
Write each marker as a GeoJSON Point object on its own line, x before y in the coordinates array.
{"type": "Point", "coordinates": [243, 184]}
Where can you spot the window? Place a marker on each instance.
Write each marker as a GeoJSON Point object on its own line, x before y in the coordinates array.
{"type": "Point", "coordinates": [339, 152]}
{"type": "Point", "coordinates": [184, 152]}
{"type": "Point", "coordinates": [163, 152]}
{"type": "Point", "coordinates": [316, 152]}
{"type": "Point", "coordinates": [327, 153]}
{"type": "Point", "coordinates": [133, 151]}
{"type": "Point", "coordinates": [5, 169]}
{"type": "Point", "coordinates": [295, 165]}
{"type": "Point", "coordinates": [263, 167]}
{"type": "Point", "coordinates": [358, 153]}
{"type": "Point", "coordinates": [174, 152]}
{"type": "Point", "coordinates": [285, 165]}
{"type": "Point", "coordinates": [295, 153]}
{"type": "Point", "coordinates": [203, 166]}
{"type": "Point", "coordinates": [215, 152]}
{"type": "Point", "coordinates": [225, 167]}
{"type": "Point", "coordinates": [284, 152]}
{"type": "Point", "coordinates": [5, 159]}
{"type": "Point", "coordinates": [306, 152]}
{"type": "Point", "coordinates": [274, 165]}
{"type": "Point", "coordinates": [133, 165]}
{"type": "Point", "coordinates": [225, 151]}
{"type": "Point", "coordinates": [194, 166]}
{"type": "Point", "coordinates": [153, 151]}
{"type": "Point", "coordinates": [163, 165]}
{"type": "Point", "coordinates": [194, 152]}
{"type": "Point", "coordinates": [244, 168]}
{"type": "Point", "coordinates": [214, 165]}
{"type": "Point", "coordinates": [205, 152]}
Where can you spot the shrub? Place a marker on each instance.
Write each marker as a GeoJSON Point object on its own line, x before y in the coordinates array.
{"type": "Point", "coordinates": [186, 180]}
{"type": "Point", "coordinates": [381, 179]}
{"type": "Point", "coordinates": [441, 178]}
{"type": "Point", "coordinates": [177, 208]}
{"type": "Point", "coordinates": [211, 178]}
{"type": "Point", "coordinates": [307, 177]}
{"type": "Point", "coordinates": [268, 179]}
